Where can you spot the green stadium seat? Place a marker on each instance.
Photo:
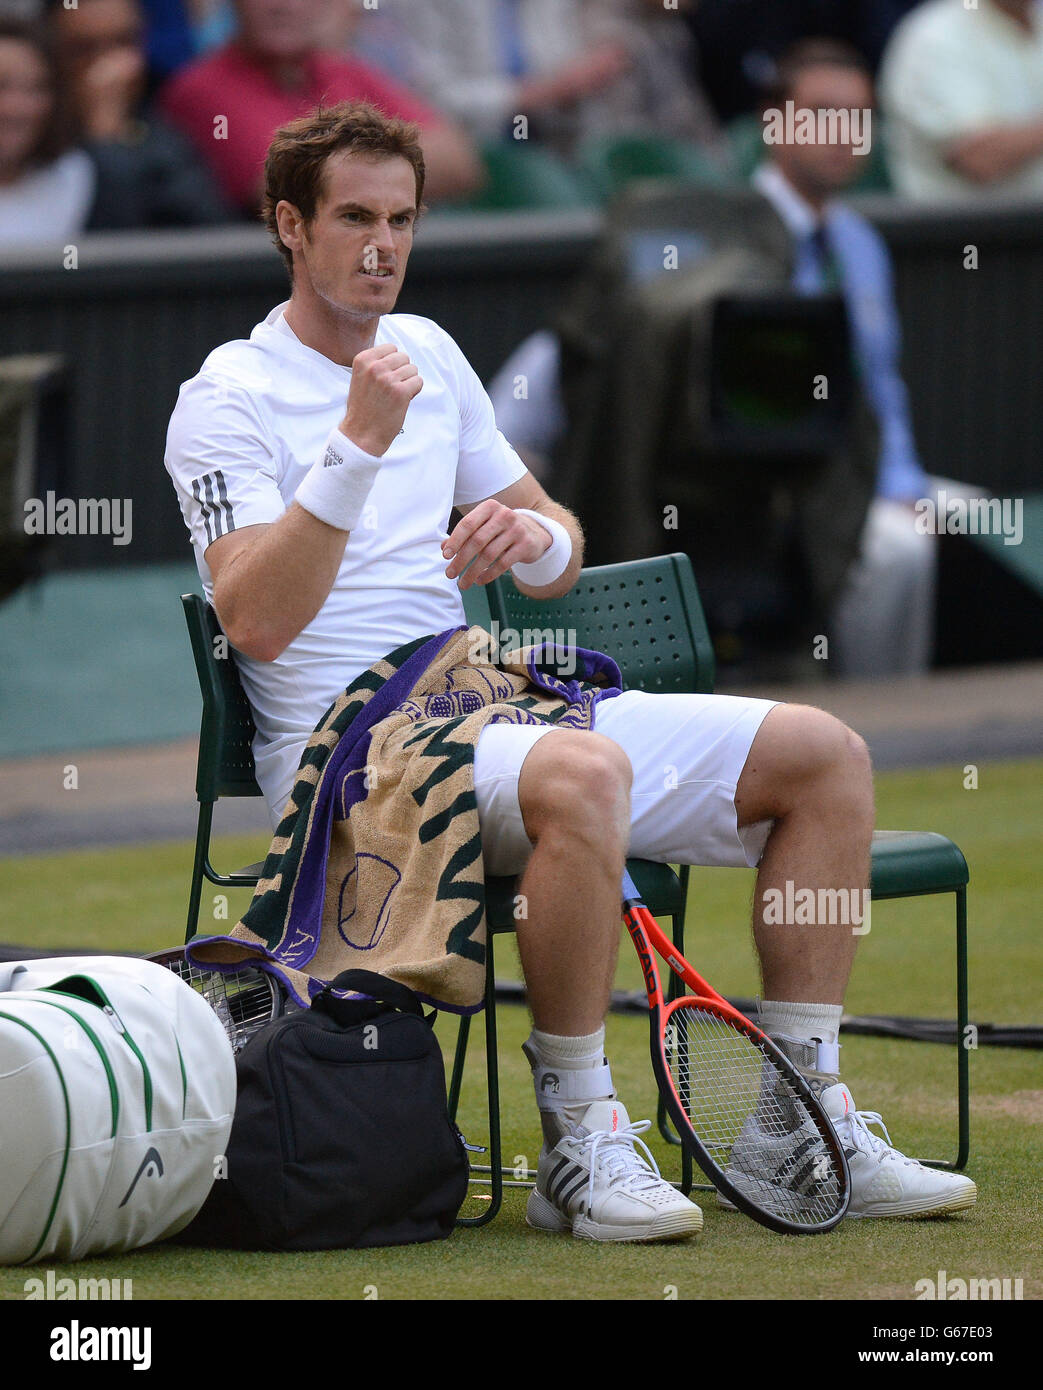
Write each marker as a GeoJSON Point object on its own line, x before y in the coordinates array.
{"type": "Point", "coordinates": [611, 162]}
{"type": "Point", "coordinates": [520, 175]}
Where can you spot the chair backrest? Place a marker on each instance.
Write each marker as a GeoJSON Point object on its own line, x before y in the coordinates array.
{"type": "Point", "coordinates": [476, 605]}
{"type": "Point", "coordinates": [226, 760]}
{"type": "Point", "coordinates": [645, 614]}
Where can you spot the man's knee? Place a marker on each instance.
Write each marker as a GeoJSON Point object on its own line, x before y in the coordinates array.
{"type": "Point", "coordinates": [801, 751]}
{"type": "Point", "coordinates": [577, 783]}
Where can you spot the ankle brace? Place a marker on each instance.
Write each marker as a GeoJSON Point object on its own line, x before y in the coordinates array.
{"type": "Point", "coordinates": [558, 1088]}
{"type": "Point", "coordinates": [818, 1062]}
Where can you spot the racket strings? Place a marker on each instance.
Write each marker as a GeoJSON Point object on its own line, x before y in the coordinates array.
{"type": "Point", "coordinates": [244, 1001]}
{"type": "Point", "coordinates": [754, 1124]}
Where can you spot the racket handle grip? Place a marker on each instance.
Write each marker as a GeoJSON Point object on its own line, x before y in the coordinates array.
{"type": "Point", "coordinates": [630, 893]}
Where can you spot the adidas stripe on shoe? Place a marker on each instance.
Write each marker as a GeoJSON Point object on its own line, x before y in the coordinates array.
{"type": "Point", "coordinates": [595, 1183]}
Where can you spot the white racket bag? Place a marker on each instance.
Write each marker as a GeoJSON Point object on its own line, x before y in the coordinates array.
{"type": "Point", "coordinates": [117, 1090]}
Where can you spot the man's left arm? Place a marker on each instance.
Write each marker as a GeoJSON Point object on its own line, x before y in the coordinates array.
{"type": "Point", "coordinates": [494, 536]}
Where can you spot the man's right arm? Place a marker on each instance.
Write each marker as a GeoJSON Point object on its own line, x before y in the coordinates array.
{"type": "Point", "coordinates": [271, 580]}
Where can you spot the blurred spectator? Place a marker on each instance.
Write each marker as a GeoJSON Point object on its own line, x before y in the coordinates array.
{"type": "Point", "coordinates": [147, 176]}
{"type": "Point", "coordinates": [230, 102]}
{"type": "Point", "coordinates": [46, 188]}
{"type": "Point", "coordinates": [963, 93]}
{"type": "Point", "coordinates": [882, 622]}
{"type": "Point", "coordinates": [573, 68]}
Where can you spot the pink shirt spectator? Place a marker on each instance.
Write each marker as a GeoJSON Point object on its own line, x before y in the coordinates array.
{"type": "Point", "coordinates": [232, 84]}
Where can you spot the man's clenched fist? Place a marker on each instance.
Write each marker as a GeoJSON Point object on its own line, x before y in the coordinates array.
{"type": "Point", "coordinates": [383, 382]}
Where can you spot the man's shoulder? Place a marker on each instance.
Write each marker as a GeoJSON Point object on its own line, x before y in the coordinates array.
{"type": "Point", "coordinates": [422, 334]}
{"type": "Point", "coordinates": [242, 365]}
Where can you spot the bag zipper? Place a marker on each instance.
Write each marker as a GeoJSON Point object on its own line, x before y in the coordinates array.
{"type": "Point", "coordinates": [68, 1129]}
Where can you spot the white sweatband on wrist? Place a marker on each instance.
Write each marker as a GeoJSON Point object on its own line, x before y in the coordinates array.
{"type": "Point", "coordinates": [336, 487]}
{"type": "Point", "coordinates": [555, 559]}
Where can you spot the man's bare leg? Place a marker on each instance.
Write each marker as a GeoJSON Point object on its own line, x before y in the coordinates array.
{"type": "Point", "coordinates": [812, 775]}
{"type": "Point", "coordinates": [574, 791]}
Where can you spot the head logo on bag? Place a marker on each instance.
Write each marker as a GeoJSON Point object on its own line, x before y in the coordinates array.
{"type": "Point", "coordinates": [107, 1144]}
{"type": "Point", "coordinates": [152, 1157]}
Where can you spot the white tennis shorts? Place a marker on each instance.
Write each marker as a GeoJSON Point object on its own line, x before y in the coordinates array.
{"type": "Point", "coordinates": [687, 752]}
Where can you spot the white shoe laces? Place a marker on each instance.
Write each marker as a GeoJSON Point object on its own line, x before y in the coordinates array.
{"type": "Point", "coordinates": [864, 1139]}
{"type": "Point", "coordinates": [622, 1163]}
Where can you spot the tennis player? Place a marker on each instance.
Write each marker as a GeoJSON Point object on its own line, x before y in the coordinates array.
{"type": "Point", "coordinates": [317, 465]}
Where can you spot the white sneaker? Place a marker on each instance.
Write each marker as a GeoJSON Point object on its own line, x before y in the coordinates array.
{"type": "Point", "coordinates": [883, 1181]}
{"type": "Point", "coordinates": [785, 1171]}
{"type": "Point", "coordinates": [596, 1184]}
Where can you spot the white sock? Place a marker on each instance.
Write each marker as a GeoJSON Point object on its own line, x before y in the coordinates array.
{"type": "Point", "coordinates": [808, 1034]}
{"type": "Point", "coordinates": [550, 1052]}
{"type": "Point", "coordinates": [569, 1053]}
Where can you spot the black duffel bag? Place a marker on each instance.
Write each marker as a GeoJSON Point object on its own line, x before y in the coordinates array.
{"type": "Point", "coordinates": [341, 1137]}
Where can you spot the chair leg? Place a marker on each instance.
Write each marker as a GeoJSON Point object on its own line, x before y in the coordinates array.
{"type": "Point", "coordinates": [962, 1050]}
{"type": "Point", "coordinates": [459, 1059]}
{"type": "Point", "coordinates": [963, 1080]}
{"type": "Point", "coordinates": [493, 1096]}
{"type": "Point", "coordinates": [206, 814]}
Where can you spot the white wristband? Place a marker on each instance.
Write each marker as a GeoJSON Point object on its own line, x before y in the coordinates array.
{"type": "Point", "coordinates": [336, 487]}
{"type": "Point", "coordinates": [554, 561]}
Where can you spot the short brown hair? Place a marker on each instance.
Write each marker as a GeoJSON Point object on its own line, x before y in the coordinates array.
{"type": "Point", "coordinates": [813, 53]}
{"type": "Point", "coordinates": [295, 167]}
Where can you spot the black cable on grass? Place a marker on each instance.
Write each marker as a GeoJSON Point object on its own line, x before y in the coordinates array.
{"type": "Point", "coordinates": [936, 1030]}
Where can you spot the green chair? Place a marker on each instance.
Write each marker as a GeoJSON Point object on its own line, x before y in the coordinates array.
{"type": "Point", "coordinates": [225, 765]}
{"type": "Point", "coordinates": [611, 162]}
{"type": "Point", "coordinates": [519, 175]}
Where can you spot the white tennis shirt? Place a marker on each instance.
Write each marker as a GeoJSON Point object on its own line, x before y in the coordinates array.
{"type": "Point", "coordinates": [244, 433]}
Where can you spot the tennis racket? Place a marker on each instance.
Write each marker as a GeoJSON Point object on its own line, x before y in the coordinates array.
{"type": "Point", "coordinates": [740, 1107]}
{"type": "Point", "coordinates": [244, 1001]}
